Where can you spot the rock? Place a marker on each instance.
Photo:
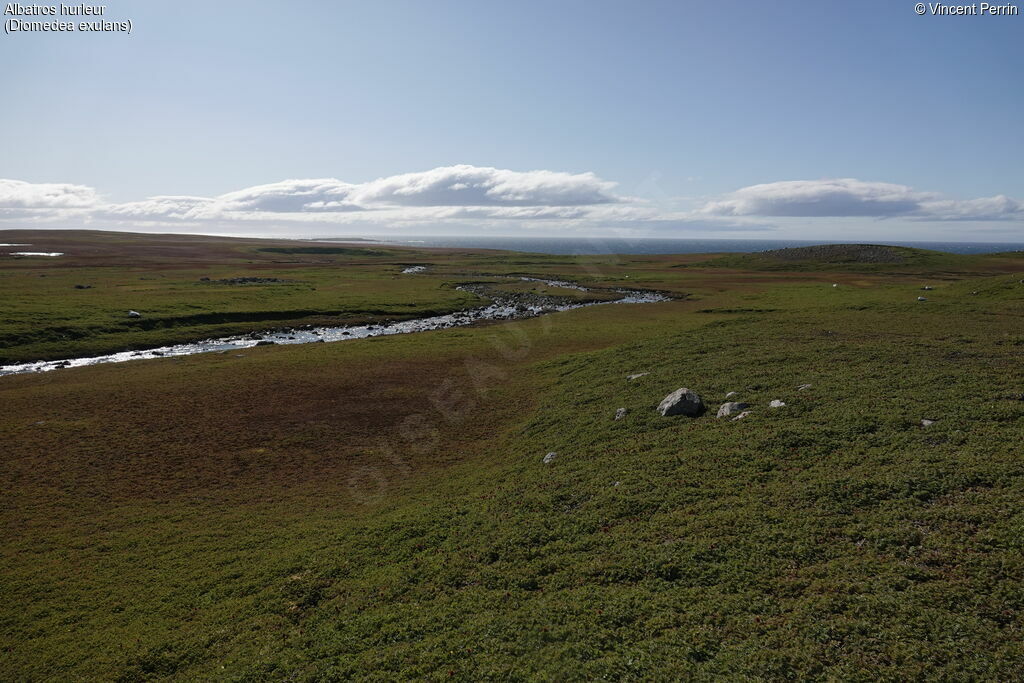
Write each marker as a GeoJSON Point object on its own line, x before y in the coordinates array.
{"type": "Point", "coordinates": [728, 409]}
{"type": "Point", "coordinates": [265, 342]}
{"type": "Point", "coordinates": [134, 314]}
{"type": "Point", "coordinates": [921, 298]}
{"type": "Point", "coordinates": [803, 387]}
{"type": "Point", "coordinates": [620, 413]}
{"type": "Point", "coordinates": [835, 284]}
{"type": "Point", "coordinates": [925, 422]}
{"type": "Point", "coordinates": [776, 404]}
{"type": "Point", "coordinates": [204, 279]}
{"type": "Point", "coordinates": [974, 294]}
{"type": "Point", "coordinates": [681, 402]}
{"type": "Point", "coordinates": [741, 415]}
{"type": "Point", "coordinates": [83, 286]}
{"type": "Point", "coordinates": [927, 288]}
{"type": "Point", "coordinates": [731, 394]}
{"type": "Point", "coordinates": [637, 376]}
{"type": "Point", "coordinates": [550, 458]}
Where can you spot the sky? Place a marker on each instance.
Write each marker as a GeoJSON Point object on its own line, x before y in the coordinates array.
{"type": "Point", "coordinates": [795, 119]}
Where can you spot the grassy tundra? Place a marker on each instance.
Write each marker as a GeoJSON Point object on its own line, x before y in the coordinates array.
{"type": "Point", "coordinates": [379, 508]}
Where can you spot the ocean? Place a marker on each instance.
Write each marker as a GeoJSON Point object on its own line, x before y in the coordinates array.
{"type": "Point", "coordinates": [600, 245]}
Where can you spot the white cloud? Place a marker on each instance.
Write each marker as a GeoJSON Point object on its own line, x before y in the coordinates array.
{"type": "Point", "coordinates": [481, 186]}
{"type": "Point", "coordinates": [801, 198]}
{"type": "Point", "coordinates": [17, 194]}
{"type": "Point", "coordinates": [20, 200]}
{"type": "Point", "coordinates": [447, 193]}
{"type": "Point", "coordinates": [469, 198]}
{"type": "Point", "coordinates": [169, 208]}
{"type": "Point", "coordinates": [292, 196]}
{"type": "Point", "coordinates": [848, 197]}
{"type": "Point", "coordinates": [998, 208]}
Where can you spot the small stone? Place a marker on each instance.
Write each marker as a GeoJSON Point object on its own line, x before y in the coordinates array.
{"type": "Point", "coordinates": [550, 458]}
{"type": "Point", "coordinates": [741, 415]}
{"type": "Point", "coordinates": [637, 376]}
{"type": "Point", "coordinates": [728, 409]}
{"type": "Point", "coordinates": [835, 284]}
{"type": "Point", "coordinates": [134, 314]}
{"type": "Point", "coordinates": [776, 404]}
{"type": "Point", "coordinates": [803, 387]}
{"type": "Point", "coordinates": [731, 394]}
{"type": "Point", "coordinates": [921, 298]}
{"type": "Point", "coordinates": [681, 402]}
{"type": "Point", "coordinates": [927, 288]}
{"type": "Point", "coordinates": [620, 413]}
{"type": "Point", "coordinates": [265, 342]}
{"type": "Point", "coordinates": [925, 422]}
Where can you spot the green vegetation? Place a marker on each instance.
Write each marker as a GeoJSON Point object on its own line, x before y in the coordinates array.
{"type": "Point", "coordinates": [850, 257]}
{"type": "Point", "coordinates": [379, 509]}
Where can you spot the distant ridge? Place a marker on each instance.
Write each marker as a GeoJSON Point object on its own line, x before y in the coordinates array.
{"type": "Point", "coordinates": [840, 253]}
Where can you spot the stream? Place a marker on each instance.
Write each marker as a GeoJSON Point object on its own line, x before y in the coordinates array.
{"type": "Point", "coordinates": [501, 308]}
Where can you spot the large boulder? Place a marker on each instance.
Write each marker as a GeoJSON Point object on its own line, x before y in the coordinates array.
{"type": "Point", "coordinates": [727, 409]}
{"type": "Point", "coordinates": [681, 402]}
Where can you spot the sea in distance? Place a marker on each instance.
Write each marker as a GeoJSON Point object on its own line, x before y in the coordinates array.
{"type": "Point", "coordinates": [602, 245]}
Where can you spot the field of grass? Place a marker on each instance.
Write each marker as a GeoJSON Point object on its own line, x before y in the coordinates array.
{"type": "Point", "coordinates": [379, 508]}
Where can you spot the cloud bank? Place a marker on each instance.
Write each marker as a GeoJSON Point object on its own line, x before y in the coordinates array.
{"type": "Point", "coordinates": [848, 197]}
{"type": "Point", "coordinates": [481, 198]}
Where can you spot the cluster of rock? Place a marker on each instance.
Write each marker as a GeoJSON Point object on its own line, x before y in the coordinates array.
{"type": "Point", "coordinates": [687, 402]}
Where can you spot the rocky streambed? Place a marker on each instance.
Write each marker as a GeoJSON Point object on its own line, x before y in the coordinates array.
{"type": "Point", "coordinates": [503, 306]}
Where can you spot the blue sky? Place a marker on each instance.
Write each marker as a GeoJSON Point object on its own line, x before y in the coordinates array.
{"type": "Point", "coordinates": [813, 119]}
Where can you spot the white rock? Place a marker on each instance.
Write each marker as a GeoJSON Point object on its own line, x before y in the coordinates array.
{"type": "Point", "coordinates": [921, 298]}
{"type": "Point", "coordinates": [681, 402]}
{"type": "Point", "coordinates": [741, 415]}
{"type": "Point", "coordinates": [134, 314]}
{"type": "Point", "coordinates": [731, 394]}
{"type": "Point", "coordinates": [835, 285]}
{"type": "Point", "coordinates": [637, 376]}
{"type": "Point", "coordinates": [550, 458]}
{"type": "Point", "coordinates": [803, 387]}
{"type": "Point", "coordinates": [776, 404]}
{"type": "Point", "coordinates": [925, 422]}
{"type": "Point", "coordinates": [728, 409]}
{"type": "Point", "coordinates": [620, 413]}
